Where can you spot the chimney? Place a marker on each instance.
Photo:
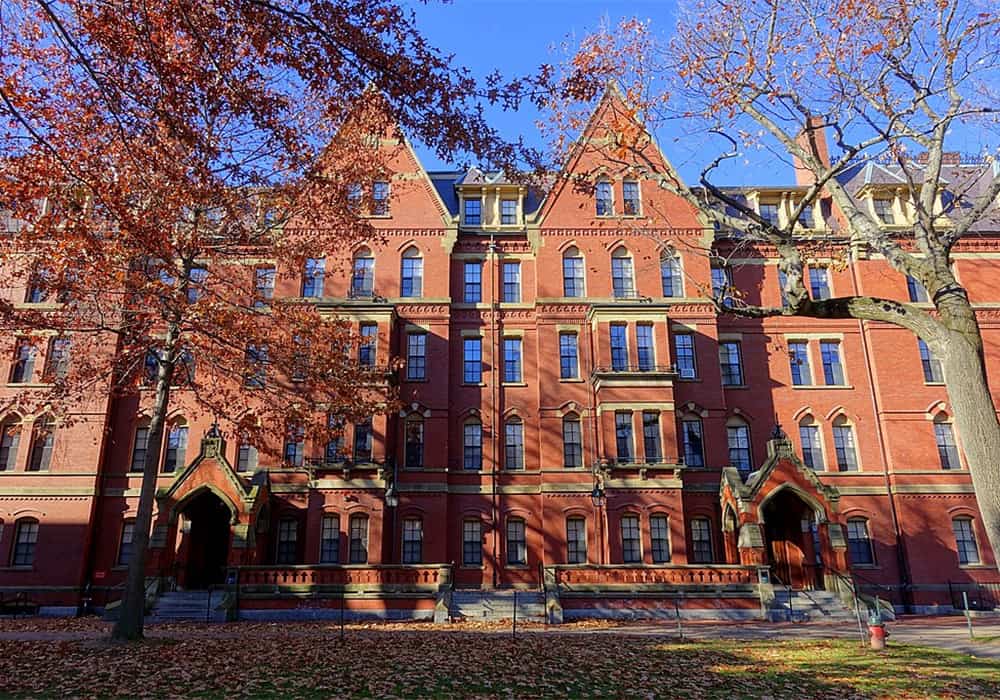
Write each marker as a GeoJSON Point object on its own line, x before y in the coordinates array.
{"type": "Point", "coordinates": [813, 140]}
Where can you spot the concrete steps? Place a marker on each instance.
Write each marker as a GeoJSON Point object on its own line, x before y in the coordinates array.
{"type": "Point", "coordinates": [497, 605]}
{"type": "Point", "coordinates": [809, 606]}
{"type": "Point", "coordinates": [179, 606]}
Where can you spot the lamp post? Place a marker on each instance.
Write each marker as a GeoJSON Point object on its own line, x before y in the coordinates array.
{"type": "Point", "coordinates": [600, 499]}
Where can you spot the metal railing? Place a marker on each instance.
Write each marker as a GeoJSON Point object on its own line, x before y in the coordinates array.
{"type": "Point", "coordinates": [981, 596]}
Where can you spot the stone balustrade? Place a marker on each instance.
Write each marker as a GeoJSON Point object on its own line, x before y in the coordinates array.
{"type": "Point", "coordinates": [669, 575]}
{"type": "Point", "coordinates": [401, 576]}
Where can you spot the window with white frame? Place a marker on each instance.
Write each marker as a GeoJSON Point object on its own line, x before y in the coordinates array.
{"type": "Point", "coordinates": [572, 442]}
{"type": "Point", "coordinates": [569, 365]}
{"type": "Point", "coordinates": [884, 211]}
{"type": "Point", "coordinates": [630, 197]}
{"type": "Point", "coordinates": [329, 540]}
{"type": "Point", "coordinates": [414, 445]}
{"type": "Point", "coordinates": [738, 436]}
{"type": "Point", "coordinates": [43, 437]}
{"type": "Point", "coordinates": [701, 541]}
{"type": "Point", "coordinates": [623, 435]}
{"type": "Point", "coordinates": [416, 356]}
{"type": "Point", "coordinates": [287, 548]}
{"type": "Point", "coordinates": [472, 212]}
{"type": "Point", "coordinates": [511, 282]}
{"type": "Point", "coordinates": [843, 444]}
{"type": "Point", "coordinates": [175, 455]}
{"type": "Point", "coordinates": [295, 446]}
{"type": "Point", "coordinates": [472, 543]}
{"type": "Point", "coordinates": [670, 277]}
{"type": "Point", "coordinates": [573, 273]}
{"type": "Point", "coordinates": [798, 360]}
{"type": "Point", "coordinates": [659, 533]}
{"type": "Point", "coordinates": [833, 368]}
{"type": "Point", "coordinates": [631, 540]}
{"type": "Point", "coordinates": [25, 542]}
{"type": "Point", "coordinates": [411, 273]}
{"type": "Point", "coordinates": [965, 541]}
{"type": "Point", "coordinates": [819, 283]}
{"type": "Point", "coordinates": [10, 438]}
{"type": "Point", "coordinates": [859, 542]}
{"type": "Point", "coordinates": [931, 365]}
{"type": "Point", "coordinates": [622, 276]}
{"type": "Point", "coordinates": [512, 369]}
{"type": "Point", "coordinates": [413, 540]}
{"type": "Point", "coordinates": [691, 438]}
{"type": "Point", "coordinates": [812, 447]}
{"type": "Point", "coordinates": [363, 277]}
{"type": "Point", "coordinates": [358, 539]}
{"type": "Point", "coordinates": [687, 367]}
{"type": "Point", "coordinates": [651, 436]}
{"type": "Point", "coordinates": [576, 540]}
{"type": "Point", "coordinates": [473, 282]}
{"type": "Point", "coordinates": [513, 452]}
{"type": "Point", "coordinates": [517, 544]}
{"type": "Point", "coordinates": [946, 445]}
{"type": "Point", "coordinates": [125, 543]}
{"type": "Point", "coordinates": [472, 445]}
{"type": "Point", "coordinates": [644, 347]}
{"type": "Point", "coordinates": [472, 360]}
{"type": "Point", "coordinates": [619, 347]}
{"type": "Point", "coordinates": [313, 277]}
{"type": "Point", "coordinates": [916, 291]}
{"type": "Point", "coordinates": [731, 362]}
{"type": "Point", "coordinates": [604, 198]}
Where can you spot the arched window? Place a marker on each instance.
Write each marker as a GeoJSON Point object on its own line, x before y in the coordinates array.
{"type": "Point", "coordinates": [965, 540]}
{"type": "Point", "coordinates": [738, 438]}
{"type": "Point", "coordinates": [140, 444]}
{"type": "Point", "coordinates": [43, 436]}
{"type": "Point", "coordinates": [514, 444]}
{"type": "Point", "coordinates": [10, 439]}
{"type": "Point", "coordinates": [659, 534]}
{"type": "Point", "coordinates": [25, 542]}
{"type": "Point", "coordinates": [287, 546]}
{"type": "Point", "coordinates": [517, 544]}
{"type": "Point", "coordinates": [295, 445]}
{"type": "Point", "coordinates": [358, 543]}
{"type": "Point", "coordinates": [692, 441]}
{"type": "Point", "coordinates": [701, 541]}
{"type": "Point", "coordinates": [175, 454]}
{"type": "Point", "coordinates": [414, 432]}
{"type": "Point", "coordinates": [22, 369]}
{"type": "Point", "coordinates": [843, 444]}
{"type": "Point", "coordinates": [574, 277]}
{"type": "Point", "coordinates": [411, 273]}
{"type": "Point", "coordinates": [670, 276]}
{"type": "Point", "coordinates": [329, 540]}
{"type": "Point", "coordinates": [363, 278]}
{"type": "Point", "coordinates": [631, 539]}
{"type": "Point", "coordinates": [622, 276]}
{"type": "Point", "coordinates": [576, 540]}
{"type": "Point", "coordinates": [812, 445]}
{"type": "Point", "coordinates": [125, 543]}
{"type": "Point", "coordinates": [859, 542]}
{"type": "Point", "coordinates": [413, 540]}
{"type": "Point", "coordinates": [572, 441]}
{"type": "Point", "coordinates": [944, 435]}
{"type": "Point", "coordinates": [472, 445]}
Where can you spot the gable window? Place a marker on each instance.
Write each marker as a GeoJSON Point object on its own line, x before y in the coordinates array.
{"type": "Point", "coordinates": [769, 213]}
{"type": "Point", "coordinates": [512, 360]}
{"type": "Point", "coordinates": [694, 454]}
{"type": "Point", "coordinates": [472, 360]}
{"type": "Point", "coordinates": [511, 282]}
{"type": "Point", "coordinates": [363, 441]}
{"type": "Point", "coordinates": [246, 457]}
{"type": "Point", "coordinates": [414, 458]}
{"type": "Point", "coordinates": [819, 283]}
{"type": "Point", "coordinates": [416, 356]}
{"type": "Point", "coordinates": [806, 217]}
{"type": "Point", "coordinates": [472, 543]}
{"type": "Point", "coordinates": [651, 436]}
{"type": "Point", "coordinates": [10, 439]}
{"type": "Point", "coordinates": [175, 456]}
{"type": "Point", "coordinates": [644, 347]}
{"type": "Point", "coordinates": [572, 442]}
{"type": "Point", "coordinates": [604, 199]}
{"type": "Point", "coordinates": [843, 444]}
{"type": "Point", "coordinates": [473, 212]}
{"type": "Point", "coordinates": [287, 548]}
{"type": "Point", "coordinates": [933, 370]}
{"type": "Point", "coordinates": [329, 540]}
{"type": "Point", "coordinates": [623, 435]}
{"type": "Point", "coordinates": [125, 543]}
{"type": "Point", "coordinates": [833, 370]}
{"type": "Point", "coordinates": [684, 355]}
{"type": "Point", "coordinates": [631, 541]}
{"type": "Point", "coordinates": [363, 277]}
{"type": "Point", "coordinates": [630, 197]}
{"type": "Point", "coordinates": [731, 363]}
{"type": "Point", "coordinates": [576, 541]}
{"type": "Point", "coordinates": [883, 210]}
{"type": "Point", "coordinates": [472, 445]}
{"type": "Point", "coordinates": [358, 539]}
{"type": "Point", "coordinates": [946, 446]}
{"type": "Point", "coordinates": [263, 287]}
{"type": "Point", "coordinates": [367, 346]}
{"type": "Point", "coordinates": [23, 369]}
{"type": "Point", "coordinates": [517, 545]}
{"type": "Point", "coordinates": [916, 291]}
{"type": "Point", "coordinates": [798, 359]}
{"type": "Point", "coordinates": [622, 279]}
{"type": "Point", "coordinates": [859, 542]}
{"type": "Point", "coordinates": [701, 541]}
{"type": "Point", "coordinates": [411, 273]}
{"type": "Point", "coordinates": [43, 436]}
{"type": "Point", "coordinates": [660, 535]}
{"type": "Point", "coordinates": [139, 446]}
{"type": "Point", "coordinates": [965, 541]}
{"type": "Point", "coordinates": [568, 360]}
{"type": "Point", "coordinates": [57, 359]}
{"type": "Point", "coordinates": [619, 347]}
{"type": "Point", "coordinates": [508, 212]}
{"type": "Point", "coordinates": [738, 438]}
{"type": "Point", "coordinates": [313, 278]}
{"type": "Point", "coordinates": [25, 542]}
{"type": "Point", "coordinates": [380, 198]}
{"type": "Point", "coordinates": [413, 540]}
{"type": "Point", "coordinates": [473, 279]}
{"type": "Point", "coordinates": [573, 276]}
{"type": "Point", "coordinates": [513, 452]}
{"type": "Point", "coordinates": [812, 448]}
{"type": "Point", "coordinates": [670, 277]}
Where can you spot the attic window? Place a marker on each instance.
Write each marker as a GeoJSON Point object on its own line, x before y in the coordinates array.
{"type": "Point", "coordinates": [769, 213]}
{"type": "Point", "coordinates": [473, 212]}
{"type": "Point", "coordinates": [508, 212]}
{"type": "Point", "coordinates": [605, 203]}
{"type": "Point", "coordinates": [883, 210]}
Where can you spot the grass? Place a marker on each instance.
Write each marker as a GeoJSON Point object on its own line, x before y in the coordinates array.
{"type": "Point", "coordinates": [310, 661]}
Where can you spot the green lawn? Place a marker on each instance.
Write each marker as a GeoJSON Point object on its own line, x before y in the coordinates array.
{"type": "Point", "coordinates": [310, 661]}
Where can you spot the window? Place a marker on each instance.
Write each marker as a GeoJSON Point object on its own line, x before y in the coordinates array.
{"type": "Point", "coordinates": [738, 437]}
{"type": "Point", "coordinates": [819, 283]}
{"type": "Point", "coordinates": [413, 540]}
{"type": "Point", "coordinates": [812, 448]}
{"type": "Point", "coordinates": [473, 215]}
{"type": "Point", "coordinates": [769, 213]}
{"type": "Point", "coordinates": [651, 436]}
{"type": "Point", "coordinates": [798, 359]}
{"type": "Point", "coordinates": [511, 282]}
{"type": "Point", "coordinates": [619, 347]}
{"type": "Point", "coordinates": [644, 347]}
{"type": "Point", "coordinates": [576, 541]}
{"type": "Point", "coordinates": [368, 345]}
{"type": "Point", "coordinates": [57, 359]}
{"type": "Point", "coordinates": [329, 540]}
{"type": "Point", "coordinates": [572, 442]}
{"type": "Point", "coordinates": [125, 543]}
{"type": "Point", "coordinates": [363, 441]}
{"type": "Point", "coordinates": [947, 449]}
{"type": "Point", "coordinates": [933, 370]}
{"type": "Point", "coordinates": [622, 281]}
{"type": "Point", "coordinates": [25, 540]}
{"type": "Point", "coordinates": [631, 542]}
{"type": "Point", "coordinates": [414, 458]}
{"type": "Point", "coordinates": [363, 279]}
{"type": "Point", "coordinates": [313, 277]}
{"type": "Point", "coordinates": [660, 535]}
{"type": "Point", "coordinates": [257, 359]}
{"type": "Point", "coordinates": [175, 456]}
{"type": "Point", "coordinates": [472, 445]}
{"type": "Point", "coordinates": [604, 199]}
{"type": "Point", "coordinates": [354, 194]}
{"type": "Point", "coordinates": [514, 444]}
{"type": "Point", "coordinates": [43, 437]}
{"type": "Point", "coordinates": [473, 282]}
{"type": "Point", "coordinates": [843, 444]}
{"type": "Point", "coordinates": [196, 284]}
{"type": "Point", "coordinates": [701, 541]}
{"type": "Point", "coordinates": [573, 275]}
{"type": "Point", "coordinates": [670, 277]}
{"type": "Point", "coordinates": [512, 359]}
{"type": "Point", "coordinates": [630, 197]}
{"type": "Point", "coordinates": [416, 356]}
{"type": "Point", "coordinates": [623, 435]}
{"type": "Point", "coordinates": [294, 449]}
{"type": "Point", "coordinates": [472, 543]}
{"type": "Point", "coordinates": [965, 541]}
{"type": "Point", "coordinates": [517, 546]}
{"type": "Point", "coordinates": [411, 274]}
{"type": "Point", "coordinates": [151, 367]}
{"type": "Point", "coordinates": [263, 287]}
{"type": "Point", "coordinates": [782, 285]}
{"type": "Point", "coordinates": [472, 360]}
{"type": "Point", "coordinates": [38, 287]}
{"type": "Point", "coordinates": [833, 370]}
{"type": "Point", "coordinates": [287, 548]}
{"type": "Point", "coordinates": [508, 212]}
{"type": "Point", "coordinates": [731, 363]}
{"type": "Point", "coordinates": [722, 282]}
{"type": "Point", "coordinates": [916, 291]}
{"type": "Point", "coordinates": [694, 453]}
{"type": "Point", "coordinates": [380, 198]}
{"type": "Point", "coordinates": [184, 369]}
{"type": "Point", "coordinates": [139, 446]}
{"type": "Point", "coordinates": [334, 453]}
{"type": "Point", "coordinates": [10, 438]}
{"type": "Point", "coordinates": [246, 457]}
{"type": "Point", "coordinates": [859, 542]}
{"type": "Point", "coordinates": [358, 542]}
{"type": "Point", "coordinates": [684, 355]}
{"type": "Point", "coordinates": [883, 211]}
{"type": "Point", "coordinates": [806, 217]}
{"type": "Point", "coordinates": [23, 370]}
{"type": "Point", "coordinates": [569, 367]}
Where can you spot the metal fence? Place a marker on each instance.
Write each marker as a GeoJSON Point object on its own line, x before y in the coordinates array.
{"type": "Point", "coordinates": [982, 596]}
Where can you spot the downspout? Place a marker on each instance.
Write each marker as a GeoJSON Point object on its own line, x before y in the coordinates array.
{"type": "Point", "coordinates": [496, 409]}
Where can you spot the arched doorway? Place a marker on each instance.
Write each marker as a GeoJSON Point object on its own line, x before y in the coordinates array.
{"type": "Point", "coordinates": [206, 531]}
{"type": "Point", "coordinates": [792, 537]}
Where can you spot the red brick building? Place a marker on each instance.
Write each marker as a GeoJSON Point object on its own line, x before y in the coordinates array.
{"type": "Point", "coordinates": [577, 419]}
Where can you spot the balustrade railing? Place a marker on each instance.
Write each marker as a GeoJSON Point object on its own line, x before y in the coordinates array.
{"type": "Point", "coordinates": [347, 575]}
{"type": "Point", "coordinates": [678, 574]}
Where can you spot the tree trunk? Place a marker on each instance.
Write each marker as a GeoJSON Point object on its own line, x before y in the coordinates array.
{"type": "Point", "coordinates": [133, 606]}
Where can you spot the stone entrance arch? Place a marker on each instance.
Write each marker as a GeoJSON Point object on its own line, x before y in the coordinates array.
{"type": "Point", "coordinates": [206, 536]}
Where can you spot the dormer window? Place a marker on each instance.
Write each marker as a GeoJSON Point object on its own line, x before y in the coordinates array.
{"type": "Point", "coordinates": [630, 197]}
{"type": "Point", "coordinates": [605, 201]}
{"type": "Point", "coordinates": [473, 213]}
{"type": "Point", "coordinates": [806, 218]}
{"type": "Point", "coordinates": [769, 213]}
{"type": "Point", "coordinates": [883, 210]}
{"type": "Point", "coordinates": [508, 212]}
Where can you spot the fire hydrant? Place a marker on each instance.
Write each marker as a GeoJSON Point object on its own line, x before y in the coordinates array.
{"type": "Point", "coordinates": [876, 631]}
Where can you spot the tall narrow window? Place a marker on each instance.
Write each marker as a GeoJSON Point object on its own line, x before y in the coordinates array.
{"type": "Point", "coordinates": [569, 366]}
{"type": "Point", "coordinates": [363, 442]}
{"type": "Point", "coordinates": [358, 539]}
{"type": "Point", "coordinates": [139, 446]}
{"type": "Point", "coordinates": [644, 347]}
{"type": "Point", "coordinates": [738, 436]}
{"type": "Point", "coordinates": [798, 359]}
{"type": "Point", "coordinates": [670, 277]}
{"type": "Point", "coordinates": [246, 457]}
{"type": "Point", "coordinates": [295, 446]}
{"type": "Point", "coordinates": [965, 541]}
{"type": "Point", "coordinates": [508, 212]}
{"type": "Point", "coordinates": [933, 370]}
{"type": "Point", "coordinates": [263, 286]}
{"type": "Point", "coordinates": [573, 275]}
{"type": "Point", "coordinates": [819, 283]}
{"type": "Point", "coordinates": [604, 199]}
{"type": "Point", "coordinates": [651, 436]}
{"type": "Point", "coordinates": [623, 435]}
{"type": "Point", "coordinates": [473, 212]}
{"type": "Point", "coordinates": [313, 277]}
{"type": "Point", "coordinates": [329, 540]}
{"type": "Point", "coordinates": [25, 542]}
{"type": "Point", "coordinates": [57, 360]}
{"type": "Point", "coordinates": [684, 355]}
{"type": "Point", "coordinates": [334, 452]}
{"type": "Point", "coordinates": [631, 540]}
{"type": "Point", "coordinates": [622, 279]}
{"type": "Point", "coordinates": [806, 217]}
{"type": "Point", "coordinates": [701, 541]}
{"type": "Point", "coordinates": [859, 542]}
{"type": "Point", "coordinates": [196, 284]}
{"type": "Point", "coordinates": [414, 428]}
{"type": "Point", "coordinates": [812, 448]}
{"type": "Point", "coordinates": [416, 356]}
{"type": "Point", "coordinates": [630, 197]}
{"type": "Point", "coordinates": [572, 442]}
{"type": "Point", "coordinates": [380, 198]}
{"type": "Point", "coordinates": [472, 543]}
{"type": "Point", "coordinates": [769, 213]}
{"type": "Point", "coordinates": [512, 360]}
{"type": "Point", "coordinates": [517, 544]}
{"type": "Point", "coordinates": [731, 363]}
{"type": "Point", "coordinates": [363, 278]}
{"type": "Point", "coordinates": [511, 282]}
{"type": "Point", "coordinates": [619, 347]}
{"type": "Point", "coordinates": [473, 280]}
{"type": "Point", "coordinates": [472, 445]}
{"type": "Point", "coordinates": [43, 436]}
{"type": "Point", "coordinates": [576, 541]}
{"type": "Point", "coordinates": [659, 533]}
{"type": "Point", "coordinates": [257, 360]}
{"type": "Point", "coordinates": [843, 443]}
{"type": "Point", "coordinates": [722, 284]}
{"type": "Point", "coordinates": [782, 286]}
{"type": "Point", "coordinates": [125, 543]}
{"type": "Point", "coordinates": [38, 287]}
{"type": "Point", "coordinates": [23, 369]}
{"type": "Point", "coordinates": [287, 550]}
{"type": "Point", "coordinates": [694, 451]}
{"type": "Point", "coordinates": [884, 212]}
{"type": "Point", "coordinates": [368, 345]}
{"type": "Point", "coordinates": [175, 456]}
{"type": "Point", "coordinates": [513, 452]}
{"type": "Point", "coordinates": [472, 360]}
{"type": "Point", "coordinates": [947, 448]}
{"type": "Point", "coordinates": [413, 541]}
{"type": "Point", "coordinates": [833, 370]}
{"type": "Point", "coordinates": [917, 292]}
{"type": "Point", "coordinates": [10, 439]}
{"type": "Point", "coordinates": [412, 274]}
